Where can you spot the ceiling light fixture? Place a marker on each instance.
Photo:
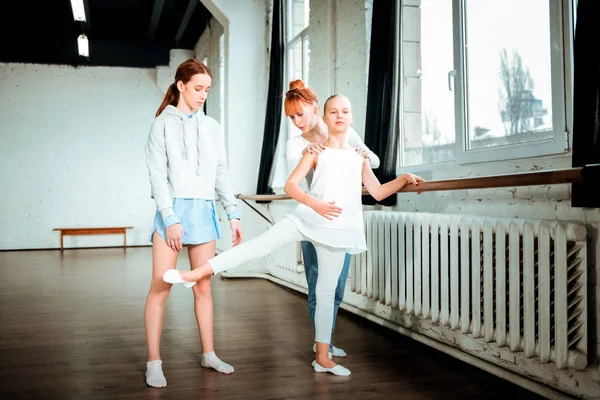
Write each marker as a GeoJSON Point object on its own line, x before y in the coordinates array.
{"type": "Point", "coordinates": [78, 10]}
{"type": "Point", "coordinates": [83, 45]}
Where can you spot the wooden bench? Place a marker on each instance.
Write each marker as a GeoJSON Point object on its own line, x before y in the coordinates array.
{"type": "Point", "coordinates": [93, 231]}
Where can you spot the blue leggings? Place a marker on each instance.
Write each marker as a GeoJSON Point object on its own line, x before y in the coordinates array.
{"type": "Point", "coordinates": [311, 268]}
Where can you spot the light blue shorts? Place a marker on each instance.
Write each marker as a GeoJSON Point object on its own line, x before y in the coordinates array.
{"type": "Point", "coordinates": [198, 218]}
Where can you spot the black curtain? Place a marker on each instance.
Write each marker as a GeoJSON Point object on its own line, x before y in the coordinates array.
{"type": "Point", "coordinates": [274, 102]}
{"type": "Point", "coordinates": [382, 119]}
{"type": "Point", "coordinates": [586, 101]}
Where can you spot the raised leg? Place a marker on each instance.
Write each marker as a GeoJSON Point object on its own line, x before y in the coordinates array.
{"type": "Point", "coordinates": [283, 232]}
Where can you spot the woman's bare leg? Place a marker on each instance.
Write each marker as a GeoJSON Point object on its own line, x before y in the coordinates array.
{"type": "Point", "coordinates": [163, 258]}
{"type": "Point", "coordinates": [203, 307]}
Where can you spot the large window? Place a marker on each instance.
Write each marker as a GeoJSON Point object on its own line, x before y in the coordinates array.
{"type": "Point", "coordinates": [296, 66]}
{"type": "Point", "coordinates": [297, 39]}
{"type": "Point", "coordinates": [483, 80]}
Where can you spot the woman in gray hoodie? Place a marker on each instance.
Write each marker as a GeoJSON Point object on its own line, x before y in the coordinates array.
{"type": "Point", "coordinates": [185, 154]}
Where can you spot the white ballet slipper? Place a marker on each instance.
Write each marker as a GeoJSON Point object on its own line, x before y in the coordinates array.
{"type": "Point", "coordinates": [337, 370]}
{"type": "Point", "coordinates": [172, 276]}
{"type": "Point", "coordinates": [337, 352]}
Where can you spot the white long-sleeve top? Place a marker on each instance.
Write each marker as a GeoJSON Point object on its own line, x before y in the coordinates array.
{"type": "Point", "coordinates": [186, 159]}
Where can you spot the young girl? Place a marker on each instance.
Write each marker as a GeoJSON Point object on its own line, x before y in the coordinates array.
{"type": "Point", "coordinates": [301, 105]}
{"type": "Point", "coordinates": [329, 216]}
{"type": "Point", "coordinates": [185, 154]}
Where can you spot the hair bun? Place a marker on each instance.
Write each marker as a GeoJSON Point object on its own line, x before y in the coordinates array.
{"type": "Point", "coordinates": [297, 84]}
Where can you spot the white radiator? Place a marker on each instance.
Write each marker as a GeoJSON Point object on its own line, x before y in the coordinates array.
{"type": "Point", "coordinates": [518, 283]}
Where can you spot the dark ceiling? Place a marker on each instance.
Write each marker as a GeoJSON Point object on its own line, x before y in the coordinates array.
{"type": "Point", "coordinates": [126, 33]}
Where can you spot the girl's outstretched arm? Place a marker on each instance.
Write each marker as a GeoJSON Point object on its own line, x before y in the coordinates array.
{"type": "Point", "coordinates": [292, 188]}
{"type": "Point", "coordinates": [379, 191]}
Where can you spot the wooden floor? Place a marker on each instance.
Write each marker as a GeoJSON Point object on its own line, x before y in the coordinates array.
{"type": "Point", "coordinates": [72, 328]}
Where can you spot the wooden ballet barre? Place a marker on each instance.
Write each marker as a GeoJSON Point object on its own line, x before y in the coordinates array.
{"type": "Point", "coordinates": [589, 173]}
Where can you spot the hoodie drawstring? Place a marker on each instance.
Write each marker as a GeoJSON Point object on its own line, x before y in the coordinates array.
{"type": "Point", "coordinates": [200, 148]}
{"type": "Point", "coordinates": [203, 151]}
{"type": "Point", "coordinates": [184, 153]}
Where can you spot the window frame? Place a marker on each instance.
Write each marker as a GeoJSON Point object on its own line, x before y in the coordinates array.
{"type": "Point", "coordinates": [303, 37]}
{"type": "Point", "coordinates": [561, 46]}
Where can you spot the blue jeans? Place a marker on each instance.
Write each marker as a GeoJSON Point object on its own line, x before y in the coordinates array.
{"type": "Point", "coordinates": [311, 269]}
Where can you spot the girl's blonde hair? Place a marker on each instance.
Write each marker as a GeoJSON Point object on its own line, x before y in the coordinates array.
{"type": "Point", "coordinates": [334, 96]}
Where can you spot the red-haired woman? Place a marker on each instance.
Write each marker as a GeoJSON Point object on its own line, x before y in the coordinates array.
{"type": "Point", "coordinates": [302, 106]}
{"type": "Point", "coordinates": [185, 155]}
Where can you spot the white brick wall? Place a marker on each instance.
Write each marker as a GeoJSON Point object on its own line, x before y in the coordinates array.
{"type": "Point", "coordinates": [350, 38]}
{"type": "Point", "coordinates": [320, 33]}
{"type": "Point", "coordinates": [72, 153]}
{"type": "Point", "coordinates": [209, 47]}
{"type": "Point", "coordinates": [338, 34]}
{"type": "Point", "coordinates": [246, 84]}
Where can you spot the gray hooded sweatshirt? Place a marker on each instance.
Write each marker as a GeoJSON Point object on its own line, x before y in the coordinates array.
{"type": "Point", "coordinates": [186, 159]}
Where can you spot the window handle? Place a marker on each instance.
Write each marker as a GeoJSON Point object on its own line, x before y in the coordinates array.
{"type": "Point", "coordinates": [451, 75]}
